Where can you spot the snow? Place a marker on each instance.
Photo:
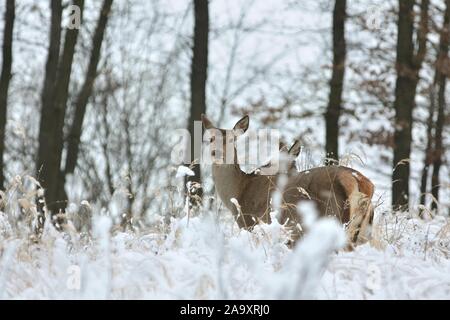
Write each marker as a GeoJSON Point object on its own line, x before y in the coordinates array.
{"type": "Point", "coordinates": [210, 258]}
{"type": "Point", "coordinates": [183, 171]}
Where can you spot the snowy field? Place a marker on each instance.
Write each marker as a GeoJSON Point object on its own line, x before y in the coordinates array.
{"type": "Point", "coordinates": [204, 257]}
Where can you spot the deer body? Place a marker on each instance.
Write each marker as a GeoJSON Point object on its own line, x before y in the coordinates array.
{"type": "Point", "coordinates": [251, 192]}
{"type": "Point", "coordinates": [338, 191]}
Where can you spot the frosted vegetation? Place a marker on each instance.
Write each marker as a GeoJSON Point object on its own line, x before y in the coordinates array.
{"type": "Point", "coordinates": [202, 254]}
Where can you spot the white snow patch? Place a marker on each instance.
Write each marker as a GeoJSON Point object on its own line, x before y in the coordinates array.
{"type": "Point", "coordinates": [183, 171]}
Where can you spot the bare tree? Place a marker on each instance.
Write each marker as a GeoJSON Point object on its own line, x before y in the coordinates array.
{"type": "Point", "coordinates": [199, 67]}
{"type": "Point", "coordinates": [124, 150]}
{"type": "Point", "coordinates": [337, 80]}
{"type": "Point", "coordinates": [433, 151]}
{"type": "Point", "coordinates": [408, 64]}
{"type": "Point", "coordinates": [5, 77]}
{"type": "Point", "coordinates": [86, 91]}
{"type": "Point", "coordinates": [46, 169]}
{"type": "Point", "coordinates": [442, 72]}
{"type": "Point", "coordinates": [429, 147]}
{"type": "Point", "coordinates": [54, 111]}
{"type": "Point", "coordinates": [60, 106]}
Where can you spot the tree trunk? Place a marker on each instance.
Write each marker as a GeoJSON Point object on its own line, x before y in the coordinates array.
{"type": "Point", "coordinates": [429, 148]}
{"type": "Point", "coordinates": [434, 155]}
{"type": "Point", "coordinates": [442, 72]}
{"type": "Point", "coordinates": [337, 81]}
{"type": "Point", "coordinates": [46, 130]}
{"type": "Point", "coordinates": [408, 64]}
{"type": "Point", "coordinates": [54, 202]}
{"type": "Point", "coordinates": [5, 77]}
{"type": "Point", "coordinates": [438, 147]}
{"type": "Point", "coordinates": [199, 67]}
{"type": "Point", "coordinates": [86, 90]}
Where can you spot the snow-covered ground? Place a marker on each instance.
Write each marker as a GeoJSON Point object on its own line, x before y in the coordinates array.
{"type": "Point", "coordinates": [207, 257]}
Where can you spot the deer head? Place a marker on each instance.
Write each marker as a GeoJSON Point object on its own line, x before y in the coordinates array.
{"type": "Point", "coordinates": [288, 155]}
{"type": "Point", "coordinates": [223, 141]}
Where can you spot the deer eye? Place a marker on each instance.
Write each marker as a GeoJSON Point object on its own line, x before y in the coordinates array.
{"type": "Point", "coordinates": [211, 140]}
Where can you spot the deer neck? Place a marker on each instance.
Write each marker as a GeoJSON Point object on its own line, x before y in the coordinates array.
{"type": "Point", "coordinates": [229, 180]}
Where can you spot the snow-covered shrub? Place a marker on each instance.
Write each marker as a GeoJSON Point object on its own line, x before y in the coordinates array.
{"type": "Point", "coordinates": [206, 256]}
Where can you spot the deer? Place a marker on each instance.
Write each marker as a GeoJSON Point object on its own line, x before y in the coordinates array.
{"type": "Point", "coordinates": [290, 155]}
{"type": "Point", "coordinates": [336, 190]}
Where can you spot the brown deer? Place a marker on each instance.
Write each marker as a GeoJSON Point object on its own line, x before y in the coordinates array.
{"type": "Point", "coordinates": [338, 191]}
{"type": "Point", "coordinates": [291, 154]}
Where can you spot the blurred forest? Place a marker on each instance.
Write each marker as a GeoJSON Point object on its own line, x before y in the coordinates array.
{"type": "Point", "coordinates": [90, 111]}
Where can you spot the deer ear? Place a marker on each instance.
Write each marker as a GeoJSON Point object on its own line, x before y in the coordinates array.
{"type": "Point", "coordinates": [206, 123]}
{"type": "Point", "coordinates": [242, 124]}
{"type": "Point", "coordinates": [295, 149]}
